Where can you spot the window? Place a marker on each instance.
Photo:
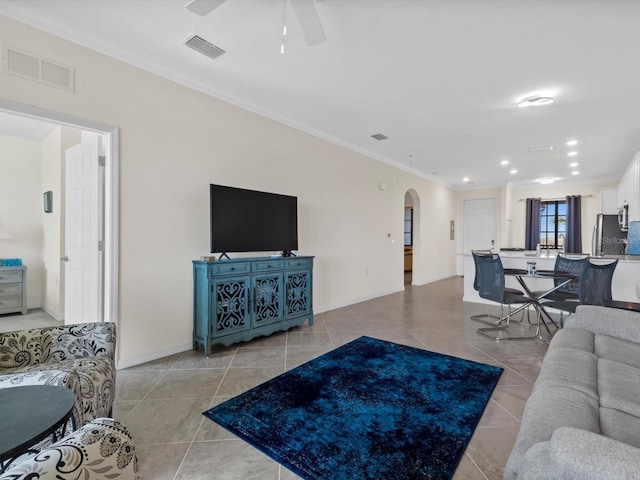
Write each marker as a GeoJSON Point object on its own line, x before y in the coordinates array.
{"type": "Point", "coordinates": [408, 226]}
{"type": "Point", "coordinates": [553, 223]}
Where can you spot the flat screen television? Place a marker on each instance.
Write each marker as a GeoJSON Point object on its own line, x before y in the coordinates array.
{"type": "Point", "coordinates": [251, 221]}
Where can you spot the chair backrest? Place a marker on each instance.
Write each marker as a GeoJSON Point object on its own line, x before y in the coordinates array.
{"type": "Point", "coordinates": [574, 266]}
{"type": "Point", "coordinates": [595, 285]}
{"type": "Point", "coordinates": [490, 275]}
{"type": "Point", "coordinates": [475, 253]}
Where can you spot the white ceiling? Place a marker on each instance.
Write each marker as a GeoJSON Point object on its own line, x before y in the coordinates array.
{"type": "Point", "coordinates": [439, 78]}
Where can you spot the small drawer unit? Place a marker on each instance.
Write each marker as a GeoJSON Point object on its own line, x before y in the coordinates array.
{"type": "Point", "coordinates": [13, 290]}
{"type": "Point", "coordinates": [237, 300]}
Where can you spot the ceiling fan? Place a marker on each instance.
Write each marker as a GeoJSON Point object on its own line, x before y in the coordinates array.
{"type": "Point", "coordinates": [305, 11]}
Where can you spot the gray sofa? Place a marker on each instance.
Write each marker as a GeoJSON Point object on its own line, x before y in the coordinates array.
{"type": "Point", "coordinates": [582, 420]}
{"type": "Point", "coordinates": [101, 450]}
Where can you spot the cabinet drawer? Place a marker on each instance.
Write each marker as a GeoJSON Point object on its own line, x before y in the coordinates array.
{"type": "Point", "coordinates": [297, 263]}
{"type": "Point", "coordinates": [12, 276]}
{"type": "Point", "coordinates": [266, 266]}
{"type": "Point", "coordinates": [222, 268]}
{"type": "Point", "coordinates": [7, 289]}
{"type": "Point", "coordinates": [11, 301]}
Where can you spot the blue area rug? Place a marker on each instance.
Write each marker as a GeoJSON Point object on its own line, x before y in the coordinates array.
{"type": "Point", "coordinates": [370, 409]}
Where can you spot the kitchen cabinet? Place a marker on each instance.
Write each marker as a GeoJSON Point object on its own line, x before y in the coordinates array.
{"type": "Point", "coordinates": [629, 189]}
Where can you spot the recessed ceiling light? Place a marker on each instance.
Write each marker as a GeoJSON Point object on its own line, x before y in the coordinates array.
{"type": "Point", "coordinates": [572, 154]}
{"type": "Point", "coordinates": [571, 143]}
{"type": "Point", "coordinates": [513, 171]}
{"type": "Point", "coordinates": [573, 164]}
{"type": "Point", "coordinates": [504, 162]}
{"type": "Point", "coordinates": [546, 148]}
{"type": "Point", "coordinates": [465, 179]}
{"type": "Point", "coordinates": [546, 180]}
{"type": "Point", "coordinates": [575, 172]}
{"type": "Point", "coordinates": [535, 101]}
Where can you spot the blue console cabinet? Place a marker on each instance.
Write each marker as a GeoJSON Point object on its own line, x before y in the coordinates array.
{"type": "Point", "coordinates": [240, 299]}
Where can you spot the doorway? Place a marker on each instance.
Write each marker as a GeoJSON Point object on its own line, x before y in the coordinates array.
{"type": "Point", "coordinates": [108, 217]}
{"type": "Point", "coordinates": [478, 224]}
{"type": "Point", "coordinates": [411, 235]}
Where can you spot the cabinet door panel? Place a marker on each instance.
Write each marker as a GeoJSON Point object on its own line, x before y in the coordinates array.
{"type": "Point", "coordinates": [230, 297]}
{"type": "Point", "coordinates": [298, 292]}
{"type": "Point", "coordinates": [268, 295]}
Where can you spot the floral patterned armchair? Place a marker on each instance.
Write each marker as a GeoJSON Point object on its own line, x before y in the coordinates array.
{"type": "Point", "coordinates": [101, 450]}
{"type": "Point", "coordinates": [79, 357]}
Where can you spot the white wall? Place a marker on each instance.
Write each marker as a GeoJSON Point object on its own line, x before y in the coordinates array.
{"type": "Point", "coordinates": [20, 207]}
{"type": "Point", "coordinates": [175, 141]}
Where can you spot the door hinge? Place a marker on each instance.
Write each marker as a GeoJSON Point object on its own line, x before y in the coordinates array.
{"type": "Point", "coordinates": [101, 246]}
{"type": "Point", "coordinates": [102, 160]}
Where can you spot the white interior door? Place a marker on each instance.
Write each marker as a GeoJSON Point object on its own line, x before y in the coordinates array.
{"type": "Point", "coordinates": [84, 246]}
{"type": "Point", "coordinates": [479, 224]}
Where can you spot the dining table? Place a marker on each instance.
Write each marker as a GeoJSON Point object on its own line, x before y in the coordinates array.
{"type": "Point", "coordinates": [560, 279]}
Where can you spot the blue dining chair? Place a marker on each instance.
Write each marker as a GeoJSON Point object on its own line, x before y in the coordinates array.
{"type": "Point", "coordinates": [570, 291]}
{"type": "Point", "coordinates": [491, 286]}
{"type": "Point", "coordinates": [594, 289]}
{"type": "Point", "coordinates": [495, 320]}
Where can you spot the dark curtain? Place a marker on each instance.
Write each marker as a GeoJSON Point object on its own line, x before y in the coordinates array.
{"type": "Point", "coordinates": [532, 232]}
{"type": "Point", "coordinates": [573, 241]}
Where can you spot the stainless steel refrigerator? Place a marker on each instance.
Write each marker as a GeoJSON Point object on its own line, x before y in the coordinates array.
{"type": "Point", "coordinates": [608, 237]}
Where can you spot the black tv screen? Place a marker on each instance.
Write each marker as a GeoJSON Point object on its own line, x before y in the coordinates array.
{"type": "Point", "coordinates": [251, 221]}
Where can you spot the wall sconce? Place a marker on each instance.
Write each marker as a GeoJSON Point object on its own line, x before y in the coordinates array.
{"type": "Point", "coordinates": [47, 198]}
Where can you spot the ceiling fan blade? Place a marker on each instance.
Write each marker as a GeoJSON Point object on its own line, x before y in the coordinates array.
{"type": "Point", "coordinates": [204, 7]}
{"type": "Point", "coordinates": [309, 21]}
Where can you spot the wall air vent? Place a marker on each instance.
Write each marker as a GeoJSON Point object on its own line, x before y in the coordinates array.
{"type": "Point", "coordinates": [32, 67]}
{"type": "Point", "coordinates": [201, 45]}
{"type": "Point", "coordinates": [379, 136]}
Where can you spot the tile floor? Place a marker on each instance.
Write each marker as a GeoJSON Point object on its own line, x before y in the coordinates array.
{"type": "Point", "coordinates": [161, 401]}
{"type": "Point", "coordinates": [35, 318]}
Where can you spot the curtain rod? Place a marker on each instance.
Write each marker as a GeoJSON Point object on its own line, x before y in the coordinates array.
{"type": "Point", "coordinates": [556, 199]}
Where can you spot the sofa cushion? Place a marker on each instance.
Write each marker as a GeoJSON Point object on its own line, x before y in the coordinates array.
{"type": "Point", "coordinates": [622, 351]}
{"type": "Point", "coordinates": [20, 349]}
{"type": "Point", "coordinates": [546, 409]}
{"type": "Point", "coordinates": [573, 338]}
{"type": "Point", "coordinates": [618, 385]}
{"type": "Point", "coordinates": [569, 368]}
{"type": "Point", "coordinates": [620, 426]}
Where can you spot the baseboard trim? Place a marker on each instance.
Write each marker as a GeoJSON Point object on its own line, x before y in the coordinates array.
{"type": "Point", "coordinates": [138, 359]}
{"type": "Point", "coordinates": [319, 310]}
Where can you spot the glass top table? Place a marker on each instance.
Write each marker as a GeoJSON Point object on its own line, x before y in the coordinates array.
{"type": "Point", "coordinates": [29, 414]}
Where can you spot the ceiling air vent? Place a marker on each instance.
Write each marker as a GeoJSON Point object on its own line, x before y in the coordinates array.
{"type": "Point", "coordinates": [199, 44]}
{"type": "Point", "coordinates": [27, 65]}
{"type": "Point", "coordinates": [379, 136]}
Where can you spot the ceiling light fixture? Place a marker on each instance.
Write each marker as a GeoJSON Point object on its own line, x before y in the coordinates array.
{"type": "Point", "coordinates": [547, 180]}
{"type": "Point", "coordinates": [573, 164]}
{"type": "Point", "coordinates": [535, 101]}
{"type": "Point", "coordinates": [575, 173]}
{"type": "Point", "coordinates": [571, 143]}
{"type": "Point", "coordinates": [465, 179]}
{"type": "Point", "coordinates": [572, 154]}
{"type": "Point", "coordinates": [504, 162]}
{"type": "Point", "coordinates": [513, 171]}
{"type": "Point", "coordinates": [546, 148]}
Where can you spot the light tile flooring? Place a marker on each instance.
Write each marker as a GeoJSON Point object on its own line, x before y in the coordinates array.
{"type": "Point", "coordinates": [161, 401]}
{"type": "Point", "coordinates": [34, 318]}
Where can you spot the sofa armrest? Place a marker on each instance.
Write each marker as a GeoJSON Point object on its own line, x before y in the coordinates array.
{"type": "Point", "coordinates": [83, 340]}
{"type": "Point", "coordinates": [615, 322]}
{"type": "Point", "coordinates": [100, 450]}
{"type": "Point", "coordinates": [579, 454]}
